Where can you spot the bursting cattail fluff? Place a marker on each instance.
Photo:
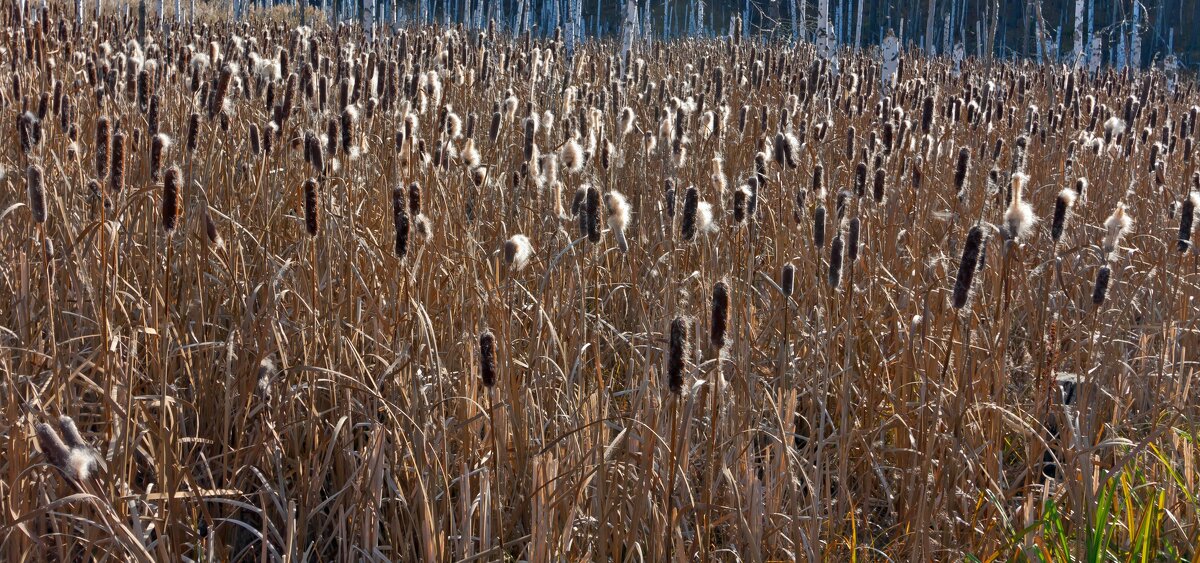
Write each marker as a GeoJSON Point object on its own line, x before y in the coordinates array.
{"type": "Point", "coordinates": [618, 217]}
{"type": "Point", "coordinates": [517, 252]}
{"type": "Point", "coordinates": [1019, 218]}
{"type": "Point", "coordinates": [1115, 228]}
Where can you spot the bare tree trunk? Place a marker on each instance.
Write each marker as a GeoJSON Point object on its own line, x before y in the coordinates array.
{"type": "Point", "coordinates": [991, 36]}
{"type": "Point", "coordinates": [929, 44]}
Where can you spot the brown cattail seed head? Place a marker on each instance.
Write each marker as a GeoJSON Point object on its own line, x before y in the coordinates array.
{"type": "Point", "coordinates": [401, 221]}
{"type": "Point", "coordinates": [691, 204]}
{"type": "Point", "coordinates": [1187, 215]}
{"type": "Point", "coordinates": [255, 143]}
{"type": "Point", "coordinates": [102, 148]}
{"type": "Point", "coordinates": [835, 261]}
{"type": "Point", "coordinates": [787, 281]}
{"type": "Point", "coordinates": [1062, 207]}
{"type": "Point", "coordinates": [961, 171]}
{"type": "Point", "coordinates": [312, 222]}
{"type": "Point", "coordinates": [193, 132]}
{"type": "Point", "coordinates": [53, 448]}
{"type": "Point", "coordinates": [592, 212]}
{"type": "Point", "coordinates": [677, 353]}
{"type": "Point", "coordinates": [117, 176]}
{"type": "Point", "coordinates": [487, 359]}
{"type": "Point", "coordinates": [720, 314]}
{"type": "Point", "coordinates": [414, 199]}
{"type": "Point", "coordinates": [967, 267]}
{"type": "Point", "coordinates": [170, 200]}
{"type": "Point", "coordinates": [819, 227]}
{"type": "Point", "coordinates": [158, 144]}
{"type": "Point", "coordinates": [1100, 293]}
{"type": "Point", "coordinates": [37, 193]}
{"type": "Point", "coordinates": [852, 240]}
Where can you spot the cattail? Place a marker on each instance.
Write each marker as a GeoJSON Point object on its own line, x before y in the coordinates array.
{"type": "Point", "coordinates": [691, 202]}
{"type": "Point", "coordinates": [720, 315]}
{"type": "Point", "coordinates": [210, 230]}
{"type": "Point", "coordinates": [170, 200]}
{"type": "Point", "coordinates": [877, 190]}
{"type": "Point", "coordinates": [332, 135]}
{"type": "Point", "coordinates": [54, 449]}
{"type": "Point", "coordinates": [517, 252]}
{"type": "Point", "coordinates": [102, 148]}
{"type": "Point", "coordinates": [158, 145]}
{"type": "Point", "coordinates": [967, 267]}
{"type": "Point", "coordinates": [1081, 187]}
{"type": "Point", "coordinates": [618, 217]}
{"type": "Point", "coordinates": [315, 153]}
{"type": "Point", "coordinates": [787, 281]}
{"type": "Point", "coordinates": [1062, 207]}
{"type": "Point", "coordinates": [835, 261]}
{"type": "Point", "coordinates": [312, 222]}
{"type": "Point", "coordinates": [927, 114]}
{"type": "Point", "coordinates": [414, 199]}
{"type": "Point", "coordinates": [1187, 214]}
{"type": "Point", "coordinates": [152, 116]}
{"type": "Point", "coordinates": [591, 212]}
{"type": "Point", "coordinates": [494, 130]}
{"type": "Point", "coordinates": [531, 126]}
{"type": "Point", "coordinates": [960, 171]}
{"type": "Point", "coordinates": [1100, 293]}
{"type": "Point", "coordinates": [741, 197]}
{"type": "Point", "coordinates": [255, 143]}
{"type": "Point", "coordinates": [487, 359]}
{"type": "Point", "coordinates": [37, 193]}
{"type": "Point", "coordinates": [349, 116]}
{"type": "Point", "coordinates": [852, 240]}
{"type": "Point", "coordinates": [193, 133]}
{"type": "Point", "coordinates": [400, 221]}
{"type": "Point", "coordinates": [860, 179]}
{"type": "Point", "coordinates": [26, 136]}
{"type": "Point", "coordinates": [1116, 227]}
{"type": "Point", "coordinates": [117, 178]}
{"type": "Point", "coordinates": [677, 353]}
{"type": "Point", "coordinates": [818, 182]}
{"type": "Point", "coordinates": [819, 227]}
{"type": "Point", "coordinates": [1019, 218]}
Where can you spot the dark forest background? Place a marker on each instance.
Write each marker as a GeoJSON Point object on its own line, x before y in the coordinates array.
{"type": "Point", "coordinates": [1165, 26]}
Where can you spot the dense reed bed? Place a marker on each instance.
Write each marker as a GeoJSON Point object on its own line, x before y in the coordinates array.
{"type": "Point", "coordinates": [276, 293]}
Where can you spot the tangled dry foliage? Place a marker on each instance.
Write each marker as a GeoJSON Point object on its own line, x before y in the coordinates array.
{"type": "Point", "coordinates": [902, 362]}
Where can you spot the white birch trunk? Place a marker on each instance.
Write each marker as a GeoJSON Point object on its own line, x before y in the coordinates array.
{"type": "Point", "coordinates": [1095, 55]}
{"type": "Point", "coordinates": [891, 61]}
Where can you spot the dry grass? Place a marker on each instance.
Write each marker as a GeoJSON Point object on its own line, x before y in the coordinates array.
{"type": "Point", "coordinates": [273, 380]}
